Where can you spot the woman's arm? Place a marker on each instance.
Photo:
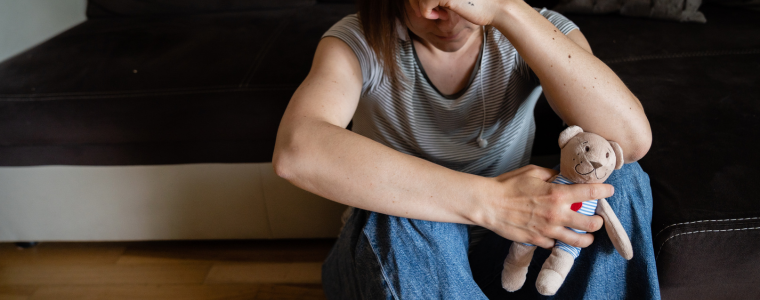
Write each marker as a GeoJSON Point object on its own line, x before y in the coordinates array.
{"type": "Point", "coordinates": [315, 152]}
{"type": "Point", "coordinates": [581, 89]}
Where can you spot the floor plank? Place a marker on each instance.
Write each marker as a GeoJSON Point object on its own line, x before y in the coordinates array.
{"type": "Point", "coordinates": [11, 292]}
{"type": "Point", "coordinates": [307, 250]}
{"type": "Point", "coordinates": [146, 292]}
{"type": "Point", "coordinates": [284, 292]}
{"type": "Point", "coordinates": [12, 297]}
{"type": "Point", "coordinates": [248, 269]}
{"type": "Point", "coordinates": [296, 272]}
{"type": "Point", "coordinates": [103, 274]}
{"type": "Point", "coordinates": [61, 253]}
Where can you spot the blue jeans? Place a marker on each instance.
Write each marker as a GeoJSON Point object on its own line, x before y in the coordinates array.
{"type": "Point", "coordinates": [385, 257]}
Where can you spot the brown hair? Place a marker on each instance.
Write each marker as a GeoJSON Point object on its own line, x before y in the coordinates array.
{"type": "Point", "coordinates": [378, 18]}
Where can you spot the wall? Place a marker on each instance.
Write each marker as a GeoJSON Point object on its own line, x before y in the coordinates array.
{"type": "Point", "coordinates": [26, 23]}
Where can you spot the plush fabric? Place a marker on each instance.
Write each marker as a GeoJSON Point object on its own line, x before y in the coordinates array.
{"type": "Point", "coordinates": [678, 10]}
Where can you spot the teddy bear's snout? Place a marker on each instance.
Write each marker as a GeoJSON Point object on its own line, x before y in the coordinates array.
{"type": "Point", "coordinates": [596, 164]}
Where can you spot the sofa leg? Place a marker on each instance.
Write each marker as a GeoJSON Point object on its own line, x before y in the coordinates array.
{"type": "Point", "coordinates": [26, 245]}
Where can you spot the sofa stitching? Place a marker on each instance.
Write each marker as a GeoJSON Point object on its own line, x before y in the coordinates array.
{"type": "Point", "coordinates": [213, 87]}
{"type": "Point", "coordinates": [127, 94]}
{"type": "Point", "coordinates": [701, 231]}
{"type": "Point", "coordinates": [680, 55]}
{"type": "Point", "coordinates": [704, 221]}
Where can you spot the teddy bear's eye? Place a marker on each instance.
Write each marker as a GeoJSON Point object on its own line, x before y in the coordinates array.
{"type": "Point", "coordinates": [608, 155]}
{"type": "Point", "coordinates": [587, 148]}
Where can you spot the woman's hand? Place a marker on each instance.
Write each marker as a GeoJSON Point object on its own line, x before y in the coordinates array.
{"type": "Point", "coordinates": [480, 12]}
{"type": "Point", "coordinates": [526, 208]}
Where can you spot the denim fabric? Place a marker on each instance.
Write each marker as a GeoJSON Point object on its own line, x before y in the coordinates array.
{"type": "Point", "coordinates": [385, 257]}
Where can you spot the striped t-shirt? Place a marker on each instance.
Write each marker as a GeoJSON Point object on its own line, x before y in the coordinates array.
{"type": "Point", "coordinates": [411, 116]}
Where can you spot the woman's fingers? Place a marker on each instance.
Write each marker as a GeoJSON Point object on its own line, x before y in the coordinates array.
{"type": "Point", "coordinates": [585, 223]}
{"type": "Point", "coordinates": [574, 193]}
{"type": "Point", "coordinates": [545, 243]}
{"type": "Point", "coordinates": [425, 8]}
{"type": "Point", "coordinates": [573, 238]}
{"type": "Point", "coordinates": [542, 241]}
{"type": "Point", "coordinates": [541, 173]}
{"type": "Point", "coordinates": [534, 171]}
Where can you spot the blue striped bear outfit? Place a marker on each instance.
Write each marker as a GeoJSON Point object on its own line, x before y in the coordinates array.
{"type": "Point", "coordinates": [587, 208]}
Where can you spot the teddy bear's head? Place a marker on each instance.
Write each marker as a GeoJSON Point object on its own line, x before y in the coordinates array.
{"type": "Point", "coordinates": [588, 157]}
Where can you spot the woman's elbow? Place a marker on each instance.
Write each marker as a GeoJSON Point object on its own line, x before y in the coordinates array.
{"type": "Point", "coordinates": [639, 146]}
{"type": "Point", "coordinates": [284, 160]}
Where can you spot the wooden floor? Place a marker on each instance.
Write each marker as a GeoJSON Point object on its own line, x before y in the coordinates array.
{"type": "Point", "coordinates": [281, 269]}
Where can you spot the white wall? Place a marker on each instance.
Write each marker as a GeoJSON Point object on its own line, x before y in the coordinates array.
{"type": "Point", "coordinates": [25, 23]}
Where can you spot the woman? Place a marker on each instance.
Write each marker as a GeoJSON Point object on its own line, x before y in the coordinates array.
{"type": "Point", "coordinates": [441, 138]}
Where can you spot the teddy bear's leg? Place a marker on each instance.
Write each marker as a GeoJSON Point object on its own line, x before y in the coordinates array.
{"type": "Point", "coordinates": [516, 266]}
{"type": "Point", "coordinates": [554, 271]}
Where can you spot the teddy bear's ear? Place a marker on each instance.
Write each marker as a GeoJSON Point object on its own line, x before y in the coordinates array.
{"type": "Point", "coordinates": [568, 134]}
{"type": "Point", "coordinates": [618, 155]}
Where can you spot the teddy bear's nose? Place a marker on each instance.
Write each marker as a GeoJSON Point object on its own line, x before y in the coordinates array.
{"type": "Point", "coordinates": [595, 164]}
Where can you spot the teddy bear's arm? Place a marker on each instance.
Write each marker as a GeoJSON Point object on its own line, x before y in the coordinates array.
{"type": "Point", "coordinates": [614, 229]}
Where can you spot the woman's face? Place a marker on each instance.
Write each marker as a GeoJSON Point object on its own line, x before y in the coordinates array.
{"type": "Point", "coordinates": [449, 32]}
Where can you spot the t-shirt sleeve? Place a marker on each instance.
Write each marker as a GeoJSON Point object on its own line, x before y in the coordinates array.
{"type": "Point", "coordinates": [349, 30]}
{"type": "Point", "coordinates": [562, 23]}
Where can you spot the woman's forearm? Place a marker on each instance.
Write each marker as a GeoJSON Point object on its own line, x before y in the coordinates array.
{"type": "Point", "coordinates": [580, 87]}
{"type": "Point", "coordinates": [351, 169]}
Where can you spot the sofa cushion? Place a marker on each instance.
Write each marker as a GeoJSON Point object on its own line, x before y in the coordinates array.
{"type": "Point", "coordinates": [182, 89]}
{"type": "Point", "coordinates": [730, 269]}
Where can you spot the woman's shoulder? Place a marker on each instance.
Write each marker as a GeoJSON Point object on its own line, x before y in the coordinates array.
{"type": "Point", "coordinates": [562, 23]}
{"type": "Point", "coordinates": [349, 30]}
{"type": "Point", "coordinates": [349, 25]}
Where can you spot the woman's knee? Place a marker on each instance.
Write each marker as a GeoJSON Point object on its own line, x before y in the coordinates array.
{"type": "Point", "coordinates": [632, 189]}
{"type": "Point", "coordinates": [420, 259]}
{"type": "Point", "coordinates": [630, 175]}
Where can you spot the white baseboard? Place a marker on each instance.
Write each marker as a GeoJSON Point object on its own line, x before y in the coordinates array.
{"type": "Point", "coordinates": [164, 202]}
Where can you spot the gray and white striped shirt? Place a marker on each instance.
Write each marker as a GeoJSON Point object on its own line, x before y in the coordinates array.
{"type": "Point", "coordinates": [411, 116]}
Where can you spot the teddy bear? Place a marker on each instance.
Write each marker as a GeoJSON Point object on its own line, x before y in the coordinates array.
{"type": "Point", "coordinates": [585, 158]}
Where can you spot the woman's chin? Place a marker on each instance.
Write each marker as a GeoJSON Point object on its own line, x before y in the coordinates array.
{"type": "Point", "coordinates": [450, 45]}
